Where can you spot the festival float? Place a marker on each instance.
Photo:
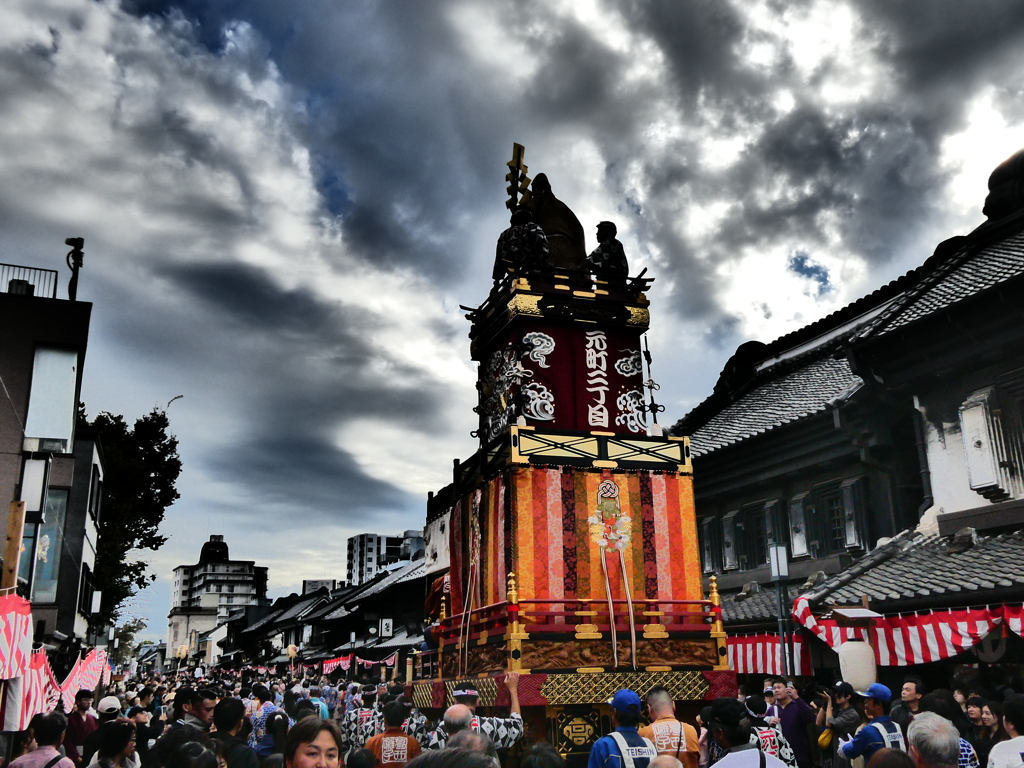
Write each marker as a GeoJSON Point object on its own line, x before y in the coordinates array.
{"type": "Point", "coordinates": [566, 547]}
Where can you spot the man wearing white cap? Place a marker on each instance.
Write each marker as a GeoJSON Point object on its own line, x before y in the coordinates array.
{"type": "Point", "coordinates": [880, 731]}
{"type": "Point", "coordinates": [502, 731]}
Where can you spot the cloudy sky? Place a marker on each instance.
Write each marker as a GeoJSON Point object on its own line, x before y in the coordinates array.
{"type": "Point", "coordinates": [284, 204]}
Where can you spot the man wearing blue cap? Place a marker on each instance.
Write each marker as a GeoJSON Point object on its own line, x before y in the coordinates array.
{"type": "Point", "coordinates": [880, 731]}
{"type": "Point", "coordinates": [623, 747]}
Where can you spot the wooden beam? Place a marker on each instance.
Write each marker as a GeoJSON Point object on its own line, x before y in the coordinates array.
{"type": "Point", "coordinates": [12, 549]}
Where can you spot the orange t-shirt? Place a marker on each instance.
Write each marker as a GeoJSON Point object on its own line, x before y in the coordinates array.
{"type": "Point", "coordinates": [673, 738]}
{"type": "Point", "coordinates": [393, 748]}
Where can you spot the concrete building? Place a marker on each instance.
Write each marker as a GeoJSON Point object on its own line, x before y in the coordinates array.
{"type": "Point", "coordinates": [43, 462]}
{"type": "Point", "coordinates": [204, 594]}
{"type": "Point", "coordinates": [370, 552]}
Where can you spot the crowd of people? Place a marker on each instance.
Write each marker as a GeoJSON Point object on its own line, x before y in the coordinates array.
{"type": "Point", "coordinates": [312, 723]}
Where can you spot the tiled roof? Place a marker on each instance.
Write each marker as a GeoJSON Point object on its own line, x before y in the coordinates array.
{"type": "Point", "coordinates": [791, 397]}
{"type": "Point", "coordinates": [270, 618]}
{"type": "Point", "coordinates": [300, 607]}
{"type": "Point", "coordinates": [914, 566]}
{"type": "Point", "coordinates": [969, 272]}
{"type": "Point", "coordinates": [760, 606]}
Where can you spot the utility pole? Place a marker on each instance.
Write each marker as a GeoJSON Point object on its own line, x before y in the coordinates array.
{"type": "Point", "coordinates": [12, 548]}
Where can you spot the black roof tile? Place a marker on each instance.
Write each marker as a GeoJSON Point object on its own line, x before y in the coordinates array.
{"type": "Point", "coordinates": [915, 565]}
{"type": "Point", "coordinates": [796, 395]}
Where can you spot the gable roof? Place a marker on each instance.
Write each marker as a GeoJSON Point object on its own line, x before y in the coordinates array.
{"type": "Point", "coordinates": [759, 607]}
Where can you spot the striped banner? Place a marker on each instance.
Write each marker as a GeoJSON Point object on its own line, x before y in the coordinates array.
{"type": "Point", "coordinates": [345, 662]}
{"type": "Point", "coordinates": [71, 686]}
{"type": "Point", "coordinates": [39, 689]}
{"type": "Point", "coordinates": [15, 636]}
{"type": "Point", "coordinates": [763, 654]}
{"type": "Point", "coordinates": [918, 638]}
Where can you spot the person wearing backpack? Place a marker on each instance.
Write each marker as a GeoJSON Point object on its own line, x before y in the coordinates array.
{"type": "Point", "coordinates": [624, 747]}
{"type": "Point", "coordinates": [880, 731]}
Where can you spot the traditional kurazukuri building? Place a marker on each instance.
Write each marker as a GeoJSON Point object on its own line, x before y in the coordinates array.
{"type": "Point", "coordinates": [901, 411]}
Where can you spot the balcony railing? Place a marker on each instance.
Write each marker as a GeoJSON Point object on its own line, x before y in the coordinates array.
{"type": "Point", "coordinates": [28, 281]}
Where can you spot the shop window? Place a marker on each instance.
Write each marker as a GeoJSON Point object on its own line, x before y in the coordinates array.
{"type": "Point", "coordinates": [49, 545]}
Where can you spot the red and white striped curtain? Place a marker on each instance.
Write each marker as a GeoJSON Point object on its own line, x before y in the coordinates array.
{"type": "Point", "coordinates": [762, 654]}
{"type": "Point", "coordinates": [345, 662]}
{"type": "Point", "coordinates": [15, 636]}
{"type": "Point", "coordinates": [916, 638]}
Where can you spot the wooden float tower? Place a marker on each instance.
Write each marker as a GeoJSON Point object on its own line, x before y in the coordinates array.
{"type": "Point", "coordinates": [570, 536]}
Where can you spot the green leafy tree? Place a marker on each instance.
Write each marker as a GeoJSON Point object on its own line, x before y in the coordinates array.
{"type": "Point", "coordinates": [126, 645]}
{"type": "Point", "coordinates": [142, 467]}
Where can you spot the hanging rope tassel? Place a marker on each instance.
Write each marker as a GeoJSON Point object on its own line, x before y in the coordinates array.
{"type": "Point", "coordinates": [611, 607]}
{"type": "Point", "coordinates": [629, 604]}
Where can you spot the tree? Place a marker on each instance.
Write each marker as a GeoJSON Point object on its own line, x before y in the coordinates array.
{"type": "Point", "coordinates": [141, 469]}
{"type": "Point", "coordinates": [125, 636]}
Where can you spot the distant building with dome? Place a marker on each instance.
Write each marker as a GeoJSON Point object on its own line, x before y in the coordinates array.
{"type": "Point", "coordinates": [205, 594]}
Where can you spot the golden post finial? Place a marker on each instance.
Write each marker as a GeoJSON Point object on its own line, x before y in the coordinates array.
{"type": "Point", "coordinates": [513, 593]}
{"type": "Point", "coordinates": [518, 182]}
{"type": "Point", "coordinates": [717, 626]}
{"type": "Point", "coordinates": [713, 595]}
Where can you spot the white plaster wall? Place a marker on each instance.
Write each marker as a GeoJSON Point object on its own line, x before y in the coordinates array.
{"type": "Point", "coordinates": [947, 461]}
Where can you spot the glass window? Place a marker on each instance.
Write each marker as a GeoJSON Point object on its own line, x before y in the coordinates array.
{"type": "Point", "coordinates": [49, 545]}
{"type": "Point", "coordinates": [51, 402]}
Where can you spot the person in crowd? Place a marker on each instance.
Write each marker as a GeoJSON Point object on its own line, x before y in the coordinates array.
{"type": "Point", "coordinates": [361, 758]}
{"type": "Point", "coordinates": [48, 730]}
{"type": "Point", "coordinates": [306, 708]}
{"type": "Point", "coordinates": [193, 754]}
{"type": "Point", "coordinates": [394, 747]}
{"type": "Point", "coordinates": [769, 700]}
{"type": "Point", "coordinates": [960, 694]}
{"type": "Point", "coordinates": [880, 731]}
{"type": "Point", "coordinates": [313, 743]}
{"type": "Point", "coordinates": [794, 716]}
{"type": "Point", "coordinates": [910, 701]}
{"type": "Point", "coordinates": [81, 724]}
{"type": "Point", "coordinates": [730, 728]}
{"type": "Point", "coordinates": [768, 738]}
{"type": "Point", "coordinates": [934, 741]}
{"type": "Point", "coordinates": [542, 755]}
{"type": "Point", "coordinates": [502, 731]}
{"type": "Point", "coordinates": [264, 708]}
{"type": "Point", "coordinates": [109, 710]}
{"type": "Point", "coordinates": [890, 758]}
{"type": "Point", "coordinates": [451, 758]}
{"type": "Point", "coordinates": [146, 730]}
{"type": "Point", "coordinates": [842, 717]}
{"type": "Point", "coordinates": [669, 735]}
{"type": "Point", "coordinates": [289, 701]}
{"type": "Point", "coordinates": [992, 731]}
{"type": "Point", "coordinates": [975, 704]}
{"type": "Point", "coordinates": [173, 739]}
{"type": "Point", "coordinates": [415, 724]}
{"type": "Point", "coordinates": [624, 747]}
{"type": "Point", "coordinates": [182, 708]}
{"type": "Point", "coordinates": [329, 694]}
{"type": "Point", "coordinates": [116, 748]}
{"type": "Point", "coordinates": [321, 707]}
{"type": "Point", "coordinates": [228, 718]}
{"type": "Point", "coordinates": [201, 714]}
{"type": "Point", "coordinates": [705, 739]}
{"type": "Point", "coordinates": [947, 708]}
{"type": "Point", "coordinates": [275, 732]}
{"type": "Point", "coordinates": [1007, 753]}
{"type": "Point", "coordinates": [355, 721]}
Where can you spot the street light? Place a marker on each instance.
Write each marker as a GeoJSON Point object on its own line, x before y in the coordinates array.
{"type": "Point", "coordinates": [779, 561]}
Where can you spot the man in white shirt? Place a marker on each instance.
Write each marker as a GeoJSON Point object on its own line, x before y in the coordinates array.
{"type": "Point", "coordinates": [1010, 753]}
{"type": "Point", "coordinates": [730, 727]}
